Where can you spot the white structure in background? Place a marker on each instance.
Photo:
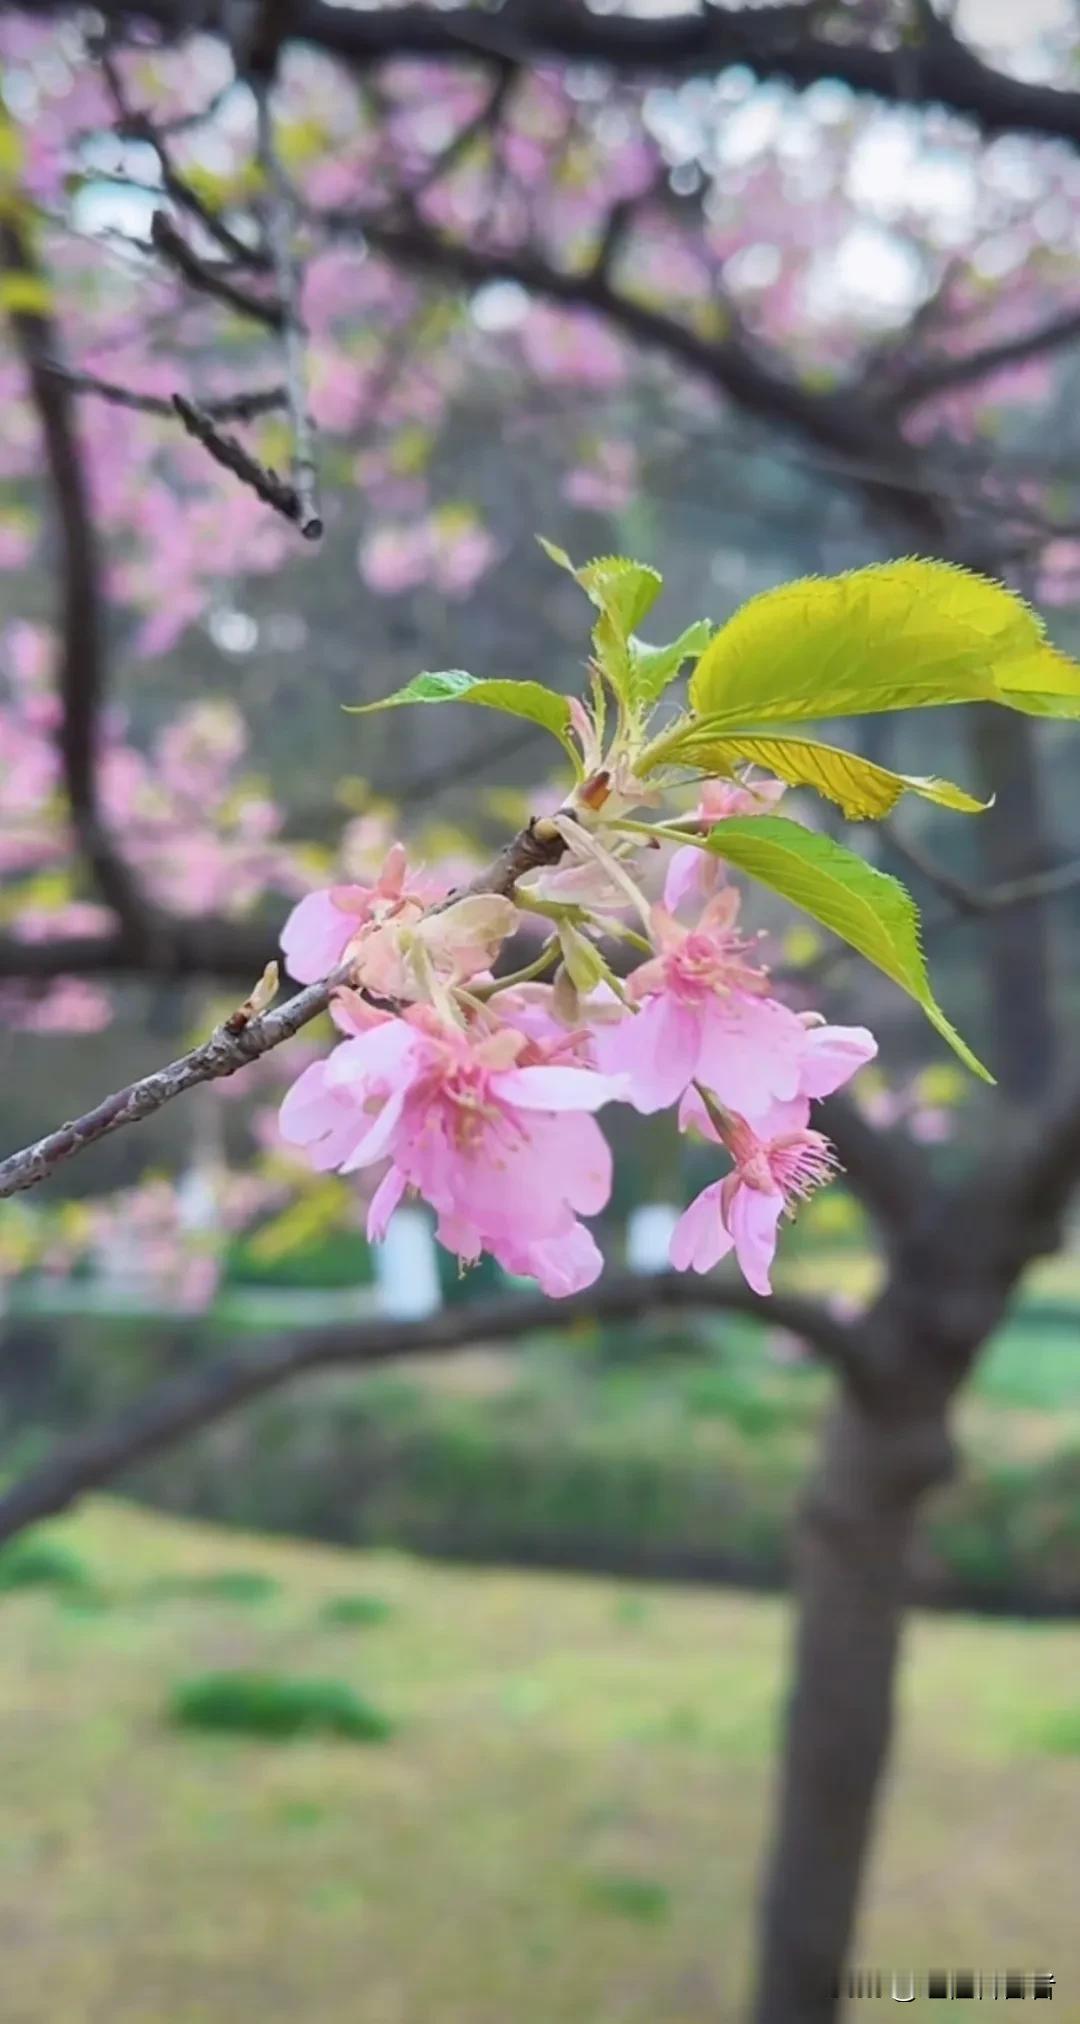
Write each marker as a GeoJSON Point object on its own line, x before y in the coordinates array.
{"type": "Point", "coordinates": [648, 1234]}
{"type": "Point", "coordinates": [406, 1272]}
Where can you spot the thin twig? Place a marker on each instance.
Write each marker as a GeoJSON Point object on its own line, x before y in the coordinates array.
{"type": "Point", "coordinates": [966, 899]}
{"type": "Point", "coordinates": [280, 229]}
{"type": "Point", "coordinates": [136, 125]}
{"type": "Point", "coordinates": [240, 407]}
{"type": "Point", "coordinates": [231, 453]}
{"type": "Point", "coordinates": [214, 281]}
{"type": "Point", "coordinates": [231, 1047]}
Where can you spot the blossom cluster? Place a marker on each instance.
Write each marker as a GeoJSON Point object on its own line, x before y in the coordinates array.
{"type": "Point", "coordinates": [478, 1092]}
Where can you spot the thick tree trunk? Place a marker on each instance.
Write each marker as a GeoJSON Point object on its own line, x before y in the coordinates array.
{"type": "Point", "coordinates": [855, 1528]}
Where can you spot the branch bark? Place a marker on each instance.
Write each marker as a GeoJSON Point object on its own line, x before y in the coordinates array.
{"type": "Point", "coordinates": [205, 1396]}
{"type": "Point", "coordinates": [81, 672]}
{"type": "Point", "coordinates": [238, 1042]}
{"type": "Point", "coordinates": [775, 41]}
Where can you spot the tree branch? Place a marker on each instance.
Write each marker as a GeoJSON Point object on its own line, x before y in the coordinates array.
{"type": "Point", "coordinates": [204, 1396]}
{"type": "Point", "coordinates": [771, 41]}
{"type": "Point", "coordinates": [241, 407]}
{"type": "Point", "coordinates": [232, 455]}
{"type": "Point", "coordinates": [884, 1172]}
{"type": "Point", "coordinates": [938, 375]}
{"type": "Point", "coordinates": [280, 230]}
{"type": "Point", "coordinates": [207, 280]}
{"type": "Point", "coordinates": [235, 1044]}
{"type": "Point", "coordinates": [81, 673]}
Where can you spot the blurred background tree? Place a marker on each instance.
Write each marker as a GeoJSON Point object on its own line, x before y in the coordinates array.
{"type": "Point", "coordinates": [756, 292]}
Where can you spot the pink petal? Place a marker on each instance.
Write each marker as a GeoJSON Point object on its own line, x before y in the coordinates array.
{"type": "Point", "coordinates": [687, 876]}
{"type": "Point", "coordinates": [656, 1047]}
{"type": "Point", "coordinates": [752, 1051]}
{"type": "Point", "coordinates": [558, 1088]}
{"type": "Point", "coordinates": [566, 1264]}
{"type": "Point", "coordinates": [753, 1220]}
{"type": "Point", "coordinates": [322, 1120]}
{"type": "Point", "coordinates": [833, 1055]}
{"type": "Point", "coordinates": [377, 1142]}
{"type": "Point", "coordinates": [383, 1203]}
{"type": "Point", "coordinates": [382, 1055]}
{"type": "Point", "coordinates": [699, 1239]}
{"type": "Point", "coordinates": [315, 937]}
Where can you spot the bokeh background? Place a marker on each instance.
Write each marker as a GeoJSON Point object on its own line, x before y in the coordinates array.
{"type": "Point", "coordinates": [451, 1689]}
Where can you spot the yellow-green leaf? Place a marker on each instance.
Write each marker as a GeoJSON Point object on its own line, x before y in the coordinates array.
{"type": "Point", "coordinates": [530, 700]}
{"type": "Point", "coordinates": [897, 635]}
{"type": "Point", "coordinates": [652, 668]}
{"type": "Point", "coordinates": [861, 788]}
{"type": "Point", "coordinates": [872, 912]}
{"type": "Point", "coordinates": [25, 294]}
{"type": "Point", "coordinates": [623, 592]}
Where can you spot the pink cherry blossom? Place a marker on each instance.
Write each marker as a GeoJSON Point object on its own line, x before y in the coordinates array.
{"type": "Point", "coordinates": [705, 1015]}
{"type": "Point", "coordinates": [502, 1145]}
{"type": "Point", "coordinates": [321, 927]}
{"type": "Point", "coordinates": [742, 1212]}
{"type": "Point", "coordinates": [693, 873]}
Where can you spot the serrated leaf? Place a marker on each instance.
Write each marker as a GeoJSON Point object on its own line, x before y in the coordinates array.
{"type": "Point", "coordinates": [652, 668]}
{"type": "Point", "coordinates": [867, 908]}
{"type": "Point", "coordinates": [864, 790]}
{"type": "Point", "coordinates": [623, 592]}
{"type": "Point", "coordinates": [530, 700]}
{"type": "Point", "coordinates": [894, 636]}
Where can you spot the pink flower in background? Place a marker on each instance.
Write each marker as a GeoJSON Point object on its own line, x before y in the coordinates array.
{"type": "Point", "coordinates": [705, 1016]}
{"type": "Point", "coordinates": [742, 1212]}
{"type": "Point", "coordinates": [571, 344]}
{"type": "Point", "coordinates": [606, 478]}
{"type": "Point", "coordinates": [694, 874]}
{"type": "Point", "coordinates": [394, 559]}
{"type": "Point", "coordinates": [507, 1154]}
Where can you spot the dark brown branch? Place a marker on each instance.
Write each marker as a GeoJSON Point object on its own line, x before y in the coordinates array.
{"type": "Point", "coordinates": [218, 949]}
{"type": "Point", "coordinates": [232, 455]}
{"type": "Point", "coordinates": [133, 124]}
{"type": "Point", "coordinates": [772, 42]}
{"type": "Point", "coordinates": [81, 672]}
{"type": "Point", "coordinates": [229, 1050]}
{"type": "Point", "coordinates": [208, 280]}
{"type": "Point", "coordinates": [201, 1398]}
{"type": "Point", "coordinates": [973, 900]}
{"type": "Point", "coordinates": [938, 375]}
{"type": "Point", "coordinates": [884, 1172]}
{"type": "Point", "coordinates": [745, 374]}
{"type": "Point", "coordinates": [241, 407]}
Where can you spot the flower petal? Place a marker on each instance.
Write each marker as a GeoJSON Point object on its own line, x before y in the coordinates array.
{"type": "Point", "coordinates": [553, 1088]}
{"type": "Point", "coordinates": [656, 1047]}
{"type": "Point", "coordinates": [377, 1142]}
{"type": "Point", "coordinates": [833, 1055]}
{"type": "Point", "coordinates": [383, 1203]}
{"type": "Point", "coordinates": [753, 1220]}
{"type": "Point", "coordinates": [699, 1239]}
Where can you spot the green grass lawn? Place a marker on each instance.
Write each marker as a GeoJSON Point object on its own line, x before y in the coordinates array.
{"type": "Point", "coordinates": [563, 1827]}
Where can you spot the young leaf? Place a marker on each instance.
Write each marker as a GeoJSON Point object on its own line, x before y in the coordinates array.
{"type": "Point", "coordinates": [897, 635]}
{"type": "Point", "coordinates": [515, 699]}
{"type": "Point", "coordinates": [652, 668]}
{"type": "Point", "coordinates": [866, 908]}
{"type": "Point", "coordinates": [861, 788]}
{"type": "Point", "coordinates": [623, 592]}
